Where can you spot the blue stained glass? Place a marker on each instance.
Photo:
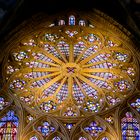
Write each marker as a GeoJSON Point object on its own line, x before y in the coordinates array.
{"type": "Point", "coordinates": [136, 105]}
{"type": "Point", "coordinates": [105, 138]}
{"type": "Point", "coordinates": [93, 129]}
{"type": "Point", "coordinates": [10, 117]}
{"type": "Point", "coordinates": [72, 20]}
{"type": "Point", "coordinates": [8, 126]}
{"type": "Point", "coordinates": [56, 138]}
{"type": "Point", "coordinates": [69, 126]}
{"type": "Point", "coordinates": [130, 127]}
{"type": "Point", "coordinates": [46, 129]}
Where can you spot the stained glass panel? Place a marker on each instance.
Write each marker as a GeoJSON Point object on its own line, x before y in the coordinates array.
{"type": "Point", "coordinates": [9, 126]}
{"type": "Point", "coordinates": [136, 104]}
{"type": "Point", "coordinates": [46, 129]}
{"type": "Point", "coordinates": [34, 138]}
{"type": "Point", "coordinates": [82, 138]}
{"type": "Point", "coordinates": [72, 20]}
{"type": "Point", "coordinates": [71, 64]}
{"type": "Point", "coordinates": [3, 103]}
{"type": "Point", "coordinates": [93, 129]}
{"type": "Point", "coordinates": [130, 127]}
{"type": "Point", "coordinates": [56, 138]}
{"type": "Point", "coordinates": [105, 138]}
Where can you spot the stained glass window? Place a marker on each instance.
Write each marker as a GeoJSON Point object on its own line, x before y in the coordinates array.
{"type": "Point", "coordinates": [61, 22]}
{"type": "Point", "coordinates": [112, 101]}
{"type": "Point", "coordinates": [9, 126]}
{"type": "Point", "coordinates": [92, 106]}
{"type": "Point", "coordinates": [82, 23]}
{"type": "Point", "coordinates": [72, 20]}
{"type": "Point", "coordinates": [71, 33]}
{"type": "Point", "coordinates": [70, 65]}
{"type": "Point", "coordinates": [93, 129]}
{"type": "Point", "coordinates": [56, 138]}
{"type": "Point", "coordinates": [109, 119]}
{"type": "Point", "coordinates": [30, 118]}
{"type": "Point", "coordinates": [70, 112]}
{"type": "Point", "coordinates": [69, 71]}
{"type": "Point", "coordinates": [82, 138]}
{"type": "Point", "coordinates": [46, 129]}
{"type": "Point", "coordinates": [3, 103]}
{"type": "Point", "coordinates": [105, 138]}
{"type": "Point", "coordinates": [69, 126]}
{"type": "Point", "coordinates": [47, 106]}
{"type": "Point", "coordinates": [33, 138]}
{"type": "Point", "coordinates": [136, 104]}
{"type": "Point", "coordinates": [20, 56]}
{"type": "Point", "coordinates": [130, 127]}
{"type": "Point", "coordinates": [11, 69]}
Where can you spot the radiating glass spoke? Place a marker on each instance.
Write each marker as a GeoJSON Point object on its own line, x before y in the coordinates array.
{"type": "Point", "coordinates": [60, 86]}
{"type": "Point", "coordinates": [90, 83]}
{"type": "Point", "coordinates": [98, 78]}
{"type": "Point", "coordinates": [51, 82]}
{"type": "Point", "coordinates": [48, 63]}
{"type": "Point", "coordinates": [63, 57]}
{"type": "Point", "coordinates": [83, 52]}
{"type": "Point", "coordinates": [45, 76]}
{"type": "Point", "coordinates": [71, 65]}
{"type": "Point", "coordinates": [53, 57]}
{"type": "Point", "coordinates": [108, 61]}
{"type": "Point", "coordinates": [79, 84]}
{"type": "Point", "coordinates": [102, 51]}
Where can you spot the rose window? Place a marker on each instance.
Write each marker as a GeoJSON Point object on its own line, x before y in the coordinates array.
{"type": "Point", "coordinates": [75, 66]}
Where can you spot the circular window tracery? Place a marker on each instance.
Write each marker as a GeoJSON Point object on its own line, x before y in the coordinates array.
{"type": "Point", "coordinates": [71, 64]}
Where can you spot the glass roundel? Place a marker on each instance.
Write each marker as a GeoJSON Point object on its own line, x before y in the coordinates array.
{"type": "Point", "coordinates": [71, 66]}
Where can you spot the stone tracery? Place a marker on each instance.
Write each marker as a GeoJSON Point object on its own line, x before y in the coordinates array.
{"type": "Point", "coordinates": [77, 68]}
{"type": "Point", "coordinates": [70, 71]}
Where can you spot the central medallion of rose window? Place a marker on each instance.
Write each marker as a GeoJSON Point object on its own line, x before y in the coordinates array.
{"type": "Point", "coordinates": [70, 69]}
{"type": "Point", "coordinates": [85, 70]}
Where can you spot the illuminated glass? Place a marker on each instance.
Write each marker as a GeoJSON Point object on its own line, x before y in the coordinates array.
{"type": "Point", "coordinates": [9, 126]}
{"type": "Point", "coordinates": [70, 112]}
{"type": "Point", "coordinates": [56, 138]}
{"type": "Point", "coordinates": [109, 119]}
{"type": "Point", "coordinates": [72, 20]}
{"type": "Point", "coordinates": [46, 129]}
{"type": "Point", "coordinates": [93, 129]}
{"type": "Point", "coordinates": [69, 126]}
{"type": "Point", "coordinates": [3, 103]}
{"type": "Point", "coordinates": [34, 138]}
{"type": "Point", "coordinates": [105, 138]}
{"type": "Point", "coordinates": [61, 22]}
{"type": "Point", "coordinates": [82, 138]}
{"type": "Point", "coordinates": [130, 127]}
{"type": "Point", "coordinates": [136, 104]}
{"type": "Point", "coordinates": [82, 23]}
{"type": "Point", "coordinates": [70, 64]}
